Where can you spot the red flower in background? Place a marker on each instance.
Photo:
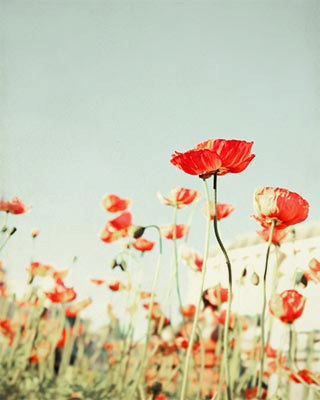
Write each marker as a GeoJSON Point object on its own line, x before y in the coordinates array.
{"type": "Point", "coordinates": [61, 294]}
{"type": "Point", "coordinates": [216, 295]}
{"type": "Point", "coordinates": [113, 203]}
{"type": "Point", "coordinates": [75, 309]}
{"type": "Point", "coordinates": [39, 269]}
{"type": "Point", "coordinates": [97, 282]}
{"type": "Point", "coordinates": [116, 285]}
{"type": "Point", "coordinates": [277, 235]}
{"type": "Point", "coordinates": [221, 318]}
{"type": "Point", "coordinates": [306, 376]}
{"type": "Point", "coordinates": [188, 310]}
{"type": "Point", "coordinates": [251, 393]}
{"type": "Point", "coordinates": [142, 244]}
{"type": "Point", "coordinates": [59, 276]}
{"type": "Point", "coordinates": [214, 156]}
{"type": "Point", "coordinates": [180, 197]}
{"type": "Point", "coordinates": [223, 210]}
{"type": "Point", "coordinates": [117, 228]}
{"type": "Point", "coordinates": [167, 230]}
{"type": "Point", "coordinates": [280, 205]}
{"type": "Point", "coordinates": [191, 257]}
{"type": "Point", "coordinates": [14, 206]}
{"type": "Point", "coordinates": [287, 306]}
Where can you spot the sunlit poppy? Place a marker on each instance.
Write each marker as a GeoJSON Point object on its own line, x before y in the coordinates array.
{"type": "Point", "coordinates": [14, 206]}
{"type": "Point", "coordinates": [218, 156]}
{"type": "Point", "coordinates": [98, 282]}
{"type": "Point", "coordinates": [143, 245]}
{"type": "Point", "coordinates": [116, 285]}
{"type": "Point", "coordinates": [113, 203]}
{"type": "Point", "coordinates": [180, 197]}
{"type": "Point", "coordinates": [221, 318]}
{"type": "Point", "coordinates": [306, 376]}
{"type": "Point", "coordinates": [277, 236]}
{"type": "Point", "coordinates": [59, 276]}
{"type": "Point", "coordinates": [116, 228]}
{"type": "Point", "coordinates": [191, 257]}
{"type": "Point", "coordinates": [188, 310]}
{"type": "Point", "coordinates": [39, 269]}
{"type": "Point", "coordinates": [61, 294]}
{"type": "Point", "coordinates": [168, 230]}
{"type": "Point", "coordinates": [223, 210]}
{"type": "Point", "coordinates": [280, 205]}
{"type": "Point", "coordinates": [216, 295]}
{"type": "Point", "coordinates": [287, 306]}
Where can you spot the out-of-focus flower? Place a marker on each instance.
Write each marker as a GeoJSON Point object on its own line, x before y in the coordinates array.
{"type": "Point", "coordinates": [35, 233]}
{"type": "Point", "coordinates": [39, 269]}
{"type": "Point", "coordinates": [277, 236]}
{"type": "Point", "coordinates": [168, 230]}
{"type": "Point", "coordinates": [180, 197]}
{"type": "Point", "coordinates": [160, 396]}
{"type": "Point", "coordinates": [113, 203]}
{"type": "Point", "coordinates": [251, 393]}
{"type": "Point", "coordinates": [116, 285]}
{"type": "Point", "coordinates": [280, 205]}
{"type": "Point", "coordinates": [221, 318]}
{"type": "Point", "coordinates": [143, 245]}
{"type": "Point", "coordinates": [8, 329]}
{"type": "Point", "coordinates": [61, 294]}
{"type": "Point", "coordinates": [59, 276]}
{"type": "Point", "coordinates": [75, 309]}
{"type": "Point", "coordinates": [216, 295]}
{"type": "Point", "coordinates": [181, 342]}
{"type": "Point", "coordinates": [188, 310]}
{"type": "Point", "coordinates": [14, 206]}
{"type": "Point", "coordinates": [287, 306]}
{"type": "Point", "coordinates": [191, 257]}
{"type": "Point", "coordinates": [223, 210]}
{"type": "Point", "coordinates": [97, 282]}
{"type": "Point", "coordinates": [145, 295]}
{"type": "Point", "coordinates": [304, 375]}
{"type": "Point", "coordinates": [218, 156]}
{"type": "Point", "coordinates": [41, 352]}
{"type": "Point", "coordinates": [117, 228]}
{"type": "Point", "coordinates": [314, 271]}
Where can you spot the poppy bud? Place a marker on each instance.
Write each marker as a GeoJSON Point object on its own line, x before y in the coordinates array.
{"type": "Point", "coordinates": [113, 264]}
{"type": "Point", "coordinates": [138, 231]}
{"type": "Point", "coordinates": [12, 231]}
{"type": "Point", "coordinates": [255, 279]}
{"type": "Point", "coordinates": [244, 273]}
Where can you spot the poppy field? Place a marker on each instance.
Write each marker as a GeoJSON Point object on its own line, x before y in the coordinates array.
{"type": "Point", "coordinates": [50, 351]}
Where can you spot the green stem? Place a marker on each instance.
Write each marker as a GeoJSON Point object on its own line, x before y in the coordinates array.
{"type": "Point", "coordinates": [196, 316]}
{"type": "Point", "coordinates": [175, 251]}
{"type": "Point", "coordinates": [226, 326]}
{"type": "Point", "coordinates": [264, 309]}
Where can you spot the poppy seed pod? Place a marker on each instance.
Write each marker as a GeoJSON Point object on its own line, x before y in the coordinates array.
{"type": "Point", "coordinates": [138, 231]}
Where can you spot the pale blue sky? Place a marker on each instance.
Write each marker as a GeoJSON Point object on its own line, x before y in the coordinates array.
{"type": "Point", "coordinates": [96, 95]}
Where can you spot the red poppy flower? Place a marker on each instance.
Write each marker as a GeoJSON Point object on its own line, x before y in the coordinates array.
{"type": "Point", "coordinates": [277, 235]}
{"type": "Point", "coordinates": [39, 269]}
{"type": "Point", "coordinates": [280, 205]}
{"type": "Point", "coordinates": [143, 245]}
{"type": "Point", "coordinates": [215, 156]}
{"type": "Point", "coordinates": [113, 203]}
{"type": "Point", "coordinates": [191, 257]}
{"type": "Point", "coordinates": [116, 285]}
{"type": "Point", "coordinates": [167, 230]}
{"type": "Point", "coordinates": [160, 396]}
{"type": "Point", "coordinates": [287, 306]}
{"type": "Point", "coordinates": [41, 352]}
{"type": "Point", "coordinates": [74, 310]}
{"type": "Point", "coordinates": [251, 393]}
{"type": "Point", "coordinates": [188, 311]}
{"type": "Point", "coordinates": [14, 206]}
{"type": "Point", "coordinates": [181, 342]}
{"type": "Point", "coordinates": [145, 295]}
{"type": "Point", "coordinates": [314, 265]}
{"type": "Point", "coordinates": [223, 210]}
{"type": "Point", "coordinates": [306, 376]}
{"type": "Point", "coordinates": [117, 228]}
{"type": "Point", "coordinates": [221, 318]}
{"type": "Point", "coordinates": [61, 294]}
{"type": "Point", "coordinates": [216, 295]}
{"type": "Point", "coordinates": [59, 276]}
{"type": "Point", "coordinates": [98, 282]}
{"type": "Point", "coordinates": [180, 197]}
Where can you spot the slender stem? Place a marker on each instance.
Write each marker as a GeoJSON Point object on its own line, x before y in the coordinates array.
{"type": "Point", "coordinates": [226, 326]}
{"type": "Point", "coordinates": [143, 362]}
{"type": "Point", "coordinates": [175, 251]}
{"type": "Point", "coordinates": [264, 309]}
{"type": "Point", "coordinates": [196, 316]}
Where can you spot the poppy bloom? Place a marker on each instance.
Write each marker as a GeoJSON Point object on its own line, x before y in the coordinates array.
{"type": "Point", "coordinates": [314, 271]}
{"type": "Point", "coordinates": [216, 295]}
{"type": "Point", "coordinates": [191, 257]}
{"type": "Point", "coordinates": [180, 197]}
{"type": "Point", "coordinates": [59, 276]}
{"type": "Point", "coordinates": [181, 342]}
{"type": "Point", "coordinates": [41, 352]}
{"type": "Point", "coordinates": [287, 306]}
{"type": "Point", "coordinates": [306, 376]}
{"type": "Point", "coordinates": [221, 318]}
{"type": "Point", "coordinates": [35, 233]}
{"type": "Point", "coordinates": [116, 285]}
{"type": "Point", "coordinates": [97, 282]}
{"type": "Point", "coordinates": [74, 310]}
{"type": "Point", "coordinates": [113, 203]}
{"type": "Point", "coordinates": [39, 269]}
{"type": "Point", "coordinates": [214, 156]}
{"type": "Point", "coordinates": [277, 235]}
{"type": "Point", "coordinates": [143, 245]}
{"type": "Point", "coordinates": [188, 311]}
{"type": "Point", "coordinates": [223, 210]}
{"type": "Point", "coordinates": [61, 294]}
{"type": "Point", "coordinates": [280, 205]}
{"type": "Point", "coordinates": [117, 228]}
{"type": "Point", "coordinates": [14, 206]}
{"type": "Point", "coordinates": [168, 230]}
{"type": "Point", "coordinates": [145, 295]}
{"type": "Point", "coordinates": [251, 393]}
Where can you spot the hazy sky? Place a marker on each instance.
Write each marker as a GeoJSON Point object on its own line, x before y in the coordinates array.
{"type": "Point", "coordinates": [96, 95]}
